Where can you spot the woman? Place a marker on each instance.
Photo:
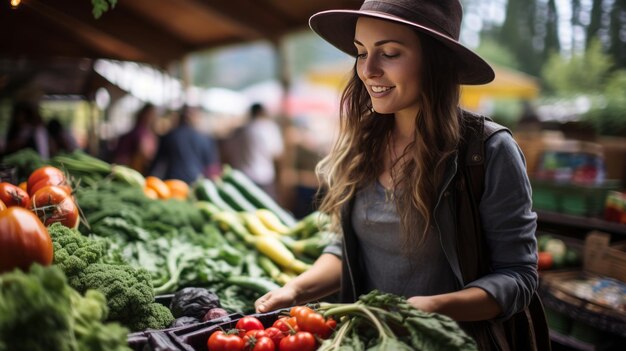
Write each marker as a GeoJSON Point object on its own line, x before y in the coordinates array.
{"type": "Point", "coordinates": [138, 146]}
{"type": "Point", "coordinates": [390, 173]}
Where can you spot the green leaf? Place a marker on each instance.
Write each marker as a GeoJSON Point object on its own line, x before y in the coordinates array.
{"type": "Point", "coordinates": [102, 6]}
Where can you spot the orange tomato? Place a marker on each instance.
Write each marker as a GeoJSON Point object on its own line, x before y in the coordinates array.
{"type": "Point", "coordinates": [178, 188]}
{"type": "Point", "coordinates": [2, 206]}
{"type": "Point", "coordinates": [159, 186]}
{"type": "Point", "coordinates": [150, 193]}
{"type": "Point", "coordinates": [23, 186]}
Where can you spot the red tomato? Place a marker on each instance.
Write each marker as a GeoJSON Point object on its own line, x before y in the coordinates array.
{"type": "Point", "coordinates": [220, 341]}
{"type": "Point", "coordinates": [286, 324]}
{"type": "Point", "coordinates": [545, 260]}
{"type": "Point", "coordinates": [255, 340]}
{"type": "Point", "coordinates": [23, 240]}
{"type": "Point", "coordinates": [46, 175]}
{"type": "Point", "coordinates": [314, 323]}
{"type": "Point", "coordinates": [248, 323]}
{"type": "Point", "coordinates": [300, 341]}
{"type": "Point", "coordinates": [275, 334]}
{"type": "Point", "coordinates": [331, 323]}
{"type": "Point", "coordinates": [263, 343]}
{"type": "Point", "coordinates": [300, 311]}
{"type": "Point", "coordinates": [13, 195]}
{"type": "Point", "coordinates": [52, 204]}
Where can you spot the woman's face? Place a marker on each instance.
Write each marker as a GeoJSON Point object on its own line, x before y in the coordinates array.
{"type": "Point", "coordinates": [388, 63]}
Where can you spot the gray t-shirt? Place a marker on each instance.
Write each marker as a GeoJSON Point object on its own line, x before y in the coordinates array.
{"type": "Point", "coordinates": [377, 226]}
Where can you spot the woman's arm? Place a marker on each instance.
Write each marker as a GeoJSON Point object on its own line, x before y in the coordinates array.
{"type": "Point", "coordinates": [321, 280]}
{"type": "Point", "coordinates": [471, 304]}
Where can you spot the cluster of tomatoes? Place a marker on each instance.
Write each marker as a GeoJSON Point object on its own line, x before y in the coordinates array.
{"type": "Point", "coordinates": [25, 211]}
{"type": "Point", "coordinates": [299, 331]}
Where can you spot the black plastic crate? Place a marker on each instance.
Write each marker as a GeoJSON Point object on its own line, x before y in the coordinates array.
{"type": "Point", "coordinates": [196, 336]}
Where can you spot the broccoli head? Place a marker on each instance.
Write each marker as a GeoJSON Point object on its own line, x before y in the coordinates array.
{"type": "Point", "coordinates": [154, 316]}
{"type": "Point", "coordinates": [128, 290]}
{"type": "Point", "coordinates": [73, 252]}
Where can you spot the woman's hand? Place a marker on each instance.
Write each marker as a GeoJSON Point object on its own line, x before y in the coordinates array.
{"type": "Point", "coordinates": [424, 303]}
{"type": "Point", "coordinates": [275, 299]}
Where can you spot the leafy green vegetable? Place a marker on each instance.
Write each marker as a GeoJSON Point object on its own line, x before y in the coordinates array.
{"type": "Point", "coordinates": [397, 326]}
{"type": "Point", "coordinates": [25, 161]}
{"type": "Point", "coordinates": [40, 311]}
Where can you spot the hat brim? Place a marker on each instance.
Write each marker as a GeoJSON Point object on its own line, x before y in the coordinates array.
{"type": "Point", "coordinates": [337, 27]}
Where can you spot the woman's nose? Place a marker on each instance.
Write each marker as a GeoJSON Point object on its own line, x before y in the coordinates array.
{"type": "Point", "coordinates": [370, 67]}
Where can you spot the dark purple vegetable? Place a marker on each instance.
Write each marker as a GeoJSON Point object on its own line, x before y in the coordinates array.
{"type": "Point", "coordinates": [193, 302]}
{"type": "Point", "coordinates": [214, 313]}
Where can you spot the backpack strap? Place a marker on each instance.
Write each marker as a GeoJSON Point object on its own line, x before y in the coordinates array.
{"type": "Point", "coordinates": [528, 329]}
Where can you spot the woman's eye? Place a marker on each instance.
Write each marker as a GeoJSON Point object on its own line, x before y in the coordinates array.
{"type": "Point", "coordinates": [390, 55]}
{"type": "Point", "coordinates": [361, 56]}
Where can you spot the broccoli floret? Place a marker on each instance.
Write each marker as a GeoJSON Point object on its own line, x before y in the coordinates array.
{"type": "Point", "coordinates": [129, 294]}
{"type": "Point", "coordinates": [72, 251]}
{"type": "Point", "coordinates": [155, 316]}
{"type": "Point", "coordinates": [88, 312]}
{"type": "Point", "coordinates": [39, 311]}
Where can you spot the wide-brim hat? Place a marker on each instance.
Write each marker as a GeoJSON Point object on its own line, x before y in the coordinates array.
{"type": "Point", "coordinates": [440, 19]}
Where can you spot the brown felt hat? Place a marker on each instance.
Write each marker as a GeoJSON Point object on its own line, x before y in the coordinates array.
{"type": "Point", "coordinates": [440, 19]}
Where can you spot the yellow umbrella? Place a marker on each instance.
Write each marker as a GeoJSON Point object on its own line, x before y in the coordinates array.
{"type": "Point", "coordinates": [507, 84]}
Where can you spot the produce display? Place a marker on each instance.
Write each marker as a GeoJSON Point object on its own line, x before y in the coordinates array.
{"type": "Point", "coordinates": [118, 242]}
{"type": "Point", "coordinates": [554, 253]}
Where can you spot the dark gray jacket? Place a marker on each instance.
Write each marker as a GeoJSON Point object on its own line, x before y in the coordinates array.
{"type": "Point", "coordinates": [508, 222]}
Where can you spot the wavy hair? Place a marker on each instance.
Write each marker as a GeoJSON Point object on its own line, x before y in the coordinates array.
{"type": "Point", "coordinates": [356, 158]}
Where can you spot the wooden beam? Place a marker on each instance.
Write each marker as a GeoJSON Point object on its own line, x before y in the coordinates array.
{"type": "Point", "coordinates": [117, 33]}
{"type": "Point", "coordinates": [254, 19]}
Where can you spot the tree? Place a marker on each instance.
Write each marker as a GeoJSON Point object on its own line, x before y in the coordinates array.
{"type": "Point", "coordinates": [582, 73]}
{"type": "Point", "coordinates": [595, 22]}
{"type": "Point", "coordinates": [617, 33]}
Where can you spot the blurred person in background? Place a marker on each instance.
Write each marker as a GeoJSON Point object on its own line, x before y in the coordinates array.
{"type": "Point", "coordinates": [60, 139]}
{"type": "Point", "coordinates": [27, 130]}
{"type": "Point", "coordinates": [396, 184]}
{"type": "Point", "coordinates": [137, 147]}
{"type": "Point", "coordinates": [255, 147]}
{"type": "Point", "coordinates": [185, 153]}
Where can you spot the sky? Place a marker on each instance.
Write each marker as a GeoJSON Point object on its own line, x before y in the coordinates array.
{"type": "Point", "coordinates": [493, 11]}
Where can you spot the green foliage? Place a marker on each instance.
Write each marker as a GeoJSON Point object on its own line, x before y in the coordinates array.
{"type": "Point", "coordinates": [507, 112]}
{"type": "Point", "coordinates": [40, 311]}
{"type": "Point", "coordinates": [495, 53]}
{"type": "Point", "coordinates": [25, 161]}
{"type": "Point", "coordinates": [592, 74]}
{"type": "Point", "coordinates": [102, 6]}
{"type": "Point", "coordinates": [582, 73]}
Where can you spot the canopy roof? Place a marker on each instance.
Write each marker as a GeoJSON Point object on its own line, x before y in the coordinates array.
{"type": "Point", "coordinates": [156, 32]}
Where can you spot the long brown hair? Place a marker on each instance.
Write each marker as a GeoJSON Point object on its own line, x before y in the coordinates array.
{"type": "Point", "coordinates": [356, 158]}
